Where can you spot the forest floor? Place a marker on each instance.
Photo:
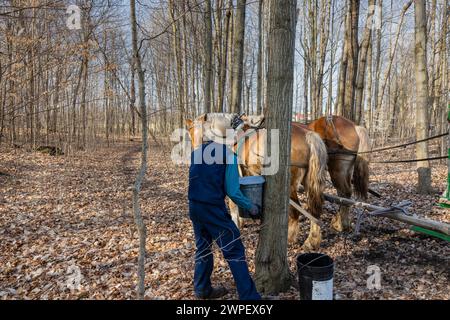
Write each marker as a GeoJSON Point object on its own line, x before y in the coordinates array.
{"type": "Point", "coordinates": [67, 231]}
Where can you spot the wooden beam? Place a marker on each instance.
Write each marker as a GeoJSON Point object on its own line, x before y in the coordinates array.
{"type": "Point", "coordinates": [305, 213]}
{"type": "Point", "coordinates": [398, 215]}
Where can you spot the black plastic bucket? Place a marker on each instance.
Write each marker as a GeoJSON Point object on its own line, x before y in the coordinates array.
{"type": "Point", "coordinates": [252, 187]}
{"type": "Point", "coordinates": [315, 276]}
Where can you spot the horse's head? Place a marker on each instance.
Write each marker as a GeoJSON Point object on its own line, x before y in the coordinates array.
{"type": "Point", "coordinates": [195, 129]}
{"type": "Point", "coordinates": [251, 122]}
{"type": "Point", "coordinates": [212, 126]}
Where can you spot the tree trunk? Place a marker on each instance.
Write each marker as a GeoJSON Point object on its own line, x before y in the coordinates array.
{"type": "Point", "coordinates": [137, 185]}
{"type": "Point", "coordinates": [423, 168]}
{"type": "Point", "coordinates": [306, 88]}
{"type": "Point", "coordinates": [224, 59]}
{"type": "Point", "coordinates": [260, 60]}
{"type": "Point", "coordinates": [133, 100]}
{"type": "Point", "coordinates": [179, 62]}
{"type": "Point", "coordinates": [83, 94]}
{"type": "Point", "coordinates": [377, 70]}
{"type": "Point", "coordinates": [444, 85]}
{"type": "Point", "coordinates": [344, 65]}
{"type": "Point", "coordinates": [368, 118]}
{"type": "Point", "coordinates": [352, 62]}
{"type": "Point", "coordinates": [367, 36]}
{"type": "Point", "coordinates": [380, 94]}
{"type": "Point", "coordinates": [272, 271]}
{"type": "Point", "coordinates": [332, 55]}
{"type": "Point", "coordinates": [238, 59]}
{"type": "Point", "coordinates": [208, 57]}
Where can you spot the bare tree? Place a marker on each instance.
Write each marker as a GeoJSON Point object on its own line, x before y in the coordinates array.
{"type": "Point", "coordinates": [423, 168]}
{"type": "Point", "coordinates": [365, 43]}
{"type": "Point", "coordinates": [272, 272]}
{"type": "Point", "coordinates": [208, 57]}
{"type": "Point", "coordinates": [238, 57]}
{"type": "Point", "coordinates": [352, 62]}
{"type": "Point", "coordinates": [260, 59]}
{"type": "Point", "coordinates": [137, 185]}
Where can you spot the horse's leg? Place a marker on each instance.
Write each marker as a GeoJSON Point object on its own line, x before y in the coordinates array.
{"type": "Point", "coordinates": [341, 174]}
{"type": "Point", "coordinates": [294, 214]}
{"type": "Point", "coordinates": [314, 239]}
{"type": "Point", "coordinates": [234, 211]}
{"type": "Point", "coordinates": [312, 243]}
{"type": "Point", "coordinates": [293, 219]}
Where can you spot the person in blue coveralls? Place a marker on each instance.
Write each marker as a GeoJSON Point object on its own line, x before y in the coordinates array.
{"type": "Point", "coordinates": [213, 175]}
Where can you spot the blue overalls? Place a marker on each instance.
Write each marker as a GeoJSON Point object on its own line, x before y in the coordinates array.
{"type": "Point", "coordinates": [213, 175]}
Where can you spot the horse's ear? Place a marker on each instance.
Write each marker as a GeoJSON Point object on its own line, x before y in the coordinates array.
{"type": "Point", "coordinates": [189, 123]}
{"type": "Point", "coordinates": [201, 117]}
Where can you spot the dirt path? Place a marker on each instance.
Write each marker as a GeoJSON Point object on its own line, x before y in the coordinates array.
{"type": "Point", "coordinates": [60, 217]}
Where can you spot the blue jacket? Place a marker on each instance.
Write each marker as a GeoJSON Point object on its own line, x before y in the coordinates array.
{"type": "Point", "coordinates": [213, 174]}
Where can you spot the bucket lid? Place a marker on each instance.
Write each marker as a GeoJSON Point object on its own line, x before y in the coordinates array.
{"type": "Point", "coordinates": [251, 180]}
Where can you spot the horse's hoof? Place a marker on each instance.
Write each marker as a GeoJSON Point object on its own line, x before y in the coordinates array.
{"type": "Point", "coordinates": [292, 240]}
{"type": "Point", "coordinates": [337, 226]}
{"type": "Point", "coordinates": [311, 245]}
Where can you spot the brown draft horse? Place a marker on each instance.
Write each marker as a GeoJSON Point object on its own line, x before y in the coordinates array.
{"type": "Point", "coordinates": [344, 140]}
{"type": "Point", "coordinates": [308, 153]}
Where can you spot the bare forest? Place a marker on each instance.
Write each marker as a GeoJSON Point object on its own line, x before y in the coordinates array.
{"type": "Point", "coordinates": [92, 93]}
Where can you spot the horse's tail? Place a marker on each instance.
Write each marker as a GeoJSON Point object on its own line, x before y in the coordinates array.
{"type": "Point", "coordinates": [361, 170]}
{"type": "Point", "coordinates": [315, 178]}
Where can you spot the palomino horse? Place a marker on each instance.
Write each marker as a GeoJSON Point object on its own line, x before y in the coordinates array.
{"type": "Point", "coordinates": [344, 140]}
{"type": "Point", "coordinates": [308, 167]}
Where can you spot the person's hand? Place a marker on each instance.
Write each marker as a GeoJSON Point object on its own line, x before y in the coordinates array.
{"type": "Point", "coordinates": [255, 211]}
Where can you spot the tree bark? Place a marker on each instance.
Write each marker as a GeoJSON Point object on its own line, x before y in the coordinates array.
{"type": "Point", "coordinates": [361, 75]}
{"type": "Point", "coordinates": [352, 61]}
{"type": "Point", "coordinates": [377, 70]}
{"type": "Point", "coordinates": [179, 62]}
{"type": "Point", "coordinates": [344, 66]}
{"type": "Point", "coordinates": [380, 94]}
{"type": "Point", "coordinates": [423, 168]}
{"type": "Point", "coordinates": [224, 58]}
{"type": "Point", "coordinates": [133, 99]}
{"type": "Point", "coordinates": [259, 71]}
{"type": "Point", "coordinates": [238, 59]}
{"type": "Point", "coordinates": [137, 185]}
{"type": "Point", "coordinates": [272, 272]}
{"type": "Point", "coordinates": [208, 57]}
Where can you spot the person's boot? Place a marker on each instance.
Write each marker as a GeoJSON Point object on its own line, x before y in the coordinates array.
{"type": "Point", "coordinates": [216, 293]}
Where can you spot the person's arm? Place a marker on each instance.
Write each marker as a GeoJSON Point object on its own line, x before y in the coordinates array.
{"type": "Point", "coordinates": [232, 187]}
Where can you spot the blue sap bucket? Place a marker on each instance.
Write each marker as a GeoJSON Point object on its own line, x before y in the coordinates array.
{"type": "Point", "coordinates": [252, 187]}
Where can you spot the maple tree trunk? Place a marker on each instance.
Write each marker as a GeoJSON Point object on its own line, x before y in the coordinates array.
{"type": "Point", "coordinates": [272, 272]}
